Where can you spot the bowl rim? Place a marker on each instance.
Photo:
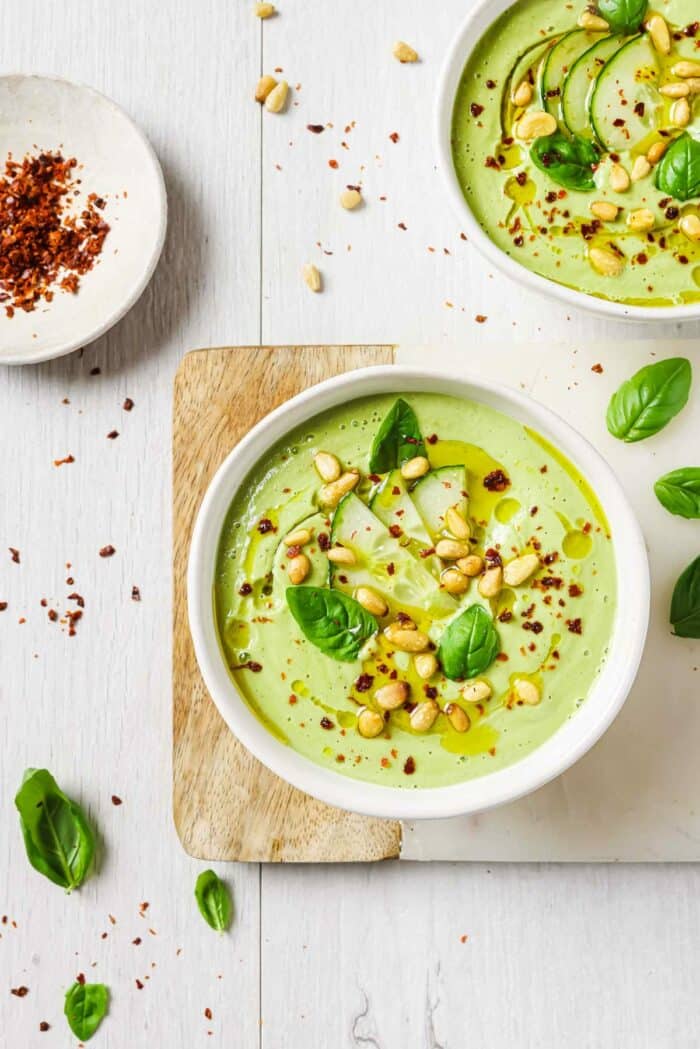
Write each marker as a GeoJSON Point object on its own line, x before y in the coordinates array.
{"type": "Point", "coordinates": [472, 28]}
{"type": "Point", "coordinates": [571, 741]}
{"type": "Point", "coordinates": [70, 345]}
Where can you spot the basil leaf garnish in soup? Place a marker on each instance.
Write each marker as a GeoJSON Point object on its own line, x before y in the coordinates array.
{"type": "Point", "coordinates": [649, 400]}
{"type": "Point", "coordinates": [335, 623]}
{"type": "Point", "coordinates": [85, 1008]}
{"type": "Point", "coordinates": [398, 439]}
{"type": "Point", "coordinates": [58, 839]}
{"type": "Point", "coordinates": [678, 173]}
{"type": "Point", "coordinates": [469, 645]}
{"type": "Point", "coordinates": [569, 161]}
{"type": "Point", "coordinates": [623, 16]}
{"type": "Point", "coordinates": [685, 603]}
{"type": "Point", "coordinates": [213, 900]}
{"type": "Point", "coordinates": [679, 491]}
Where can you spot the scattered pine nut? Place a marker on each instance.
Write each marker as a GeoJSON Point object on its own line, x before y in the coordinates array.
{"type": "Point", "coordinates": [404, 52]}
{"type": "Point", "coordinates": [331, 494]}
{"type": "Point", "coordinates": [299, 568]}
{"type": "Point", "coordinates": [619, 179]}
{"type": "Point", "coordinates": [679, 90]}
{"type": "Point", "coordinates": [263, 10]}
{"type": "Point", "coordinates": [327, 466]}
{"type": "Point", "coordinates": [414, 468]}
{"type": "Point", "coordinates": [660, 37]}
{"type": "Point", "coordinates": [423, 717]}
{"type": "Point", "coordinates": [275, 101]}
{"type": "Point", "coordinates": [521, 568]}
{"type": "Point", "coordinates": [491, 581]}
{"type": "Point", "coordinates": [457, 524]}
{"type": "Point", "coordinates": [605, 262]}
{"type": "Point", "coordinates": [371, 601]}
{"type": "Point", "coordinates": [350, 198]}
{"type": "Point", "coordinates": [311, 276]}
{"type": "Point", "coordinates": [407, 640]}
{"type": "Point", "coordinates": [640, 169]}
{"type": "Point", "coordinates": [690, 227]}
{"type": "Point", "coordinates": [604, 210]}
{"type": "Point", "coordinates": [457, 717]}
{"type": "Point", "coordinates": [471, 566]}
{"type": "Point", "coordinates": [680, 113]}
{"type": "Point", "coordinates": [686, 69]}
{"type": "Point", "coordinates": [301, 537]}
{"type": "Point", "coordinates": [527, 691]}
{"type": "Point", "coordinates": [451, 549]}
{"type": "Point", "coordinates": [341, 555]}
{"type": "Point", "coordinates": [265, 86]}
{"type": "Point", "coordinates": [655, 152]}
{"type": "Point", "coordinates": [392, 696]}
{"type": "Point", "coordinates": [522, 96]}
{"type": "Point", "coordinates": [476, 691]}
{"type": "Point", "coordinates": [535, 124]}
{"type": "Point", "coordinates": [426, 664]}
{"type": "Point", "coordinates": [369, 723]}
{"type": "Point", "coordinates": [588, 20]}
{"type": "Point", "coordinates": [454, 581]}
{"type": "Point", "coordinates": [641, 221]}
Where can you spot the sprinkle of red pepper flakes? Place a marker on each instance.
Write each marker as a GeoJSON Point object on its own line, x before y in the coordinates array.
{"type": "Point", "coordinates": [208, 1013]}
{"type": "Point", "coordinates": [14, 554]}
{"type": "Point", "coordinates": [107, 551]}
{"type": "Point", "coordinates": [116, 800]}
{"type": "Point", "coordinates": [19, 992]}
{"type": "Point", "coordinates": [128, 404]}
{"type": "Point", "coordinates": [80, 978]}
{"type": "Point", "coordinates": [394, 136]}
{"type": "Point", "coordinates": [496, 481]}
{"type": "Point", "coordinates": [135, 593]}
{"type": "Point", "coordinates": [598, 369]}
{"type": "Point", "coordinates": [315, 129]}
{"type": "Point", "coordinates": [3, 606]}
{"type": "Point", "coordinates": [44, 1026]}
{"type": "Point", "coordinates": [409, 766]}
{"type": "Point", "coordinates": [65, 461]}
{"type": "Point", "coordinates": [112, 435]}
{"type": "Point", "coordinates": [139, 985]}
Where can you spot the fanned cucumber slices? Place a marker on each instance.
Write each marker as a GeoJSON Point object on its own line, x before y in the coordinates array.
{"type": "Point", "coordinates": [559, 61]}
{"type": "Point", "coordinates": [435, 493]}
{"type": "Point", "coordinates": [625, 97]}
{"type": "Point", "coordinates": [527, 69]}
{"type": "Point", "coordinates": [579, 83]}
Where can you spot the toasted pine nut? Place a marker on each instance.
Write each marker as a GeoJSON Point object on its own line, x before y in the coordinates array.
{"type": "Point", "coordinates": [619, 179]}
{"type": "Point", "coordinates": [457, 717]}
{"type": "Point", "coordinates": [392, 696]}
{"type": "Point", "coordinates": [457, 523]}
{"type": "Point", "coordinates": [476, 691]}
{"type": "Point", "coordinates": [311, 275]}
{"type": "Point", "coordinates": [414, 468]}
{"type": "Point", "coordinates": [331, 494]}
{"type": "Point", "coordinates": [690, 227]}
{"type": "Point", "coordinates": [655, 152]}
{"type": "Point", "coordinates": [407, 640]}
{"type": "Point", "coordinates": [340, 555]}
{"type": "Point", "coordinates": [404, 52]}
{"type": "Point", "coordinates": [369, 723]}
{"type": "Point", "coordinates": [520, 569]}
{"type": "Point", "coordinates": [679, 90]}
{"type": "Point", "coordinates": [301, 537]}
{"type": "Point", "coordinates": [299, 568]}
{"type": "Point", "coordinates": [423, 717]}
{"type": "Point", "coordinates": [680, 113]}
{"type": "Point", "coordinates": [371, 601]}
{"type": "Point", "coordinates": [535, 124]}
{"type": "Point", "coordinates": [641, 221]}
{"type": "Point", "coordinates": [522, 96]}
{"type": "Point", "coordinates": [425, 664]}
{"type": "Point", "coordinates": [264, 87]}
{"type": "Point", "coordinates": [660, 36]}
{"type": "Point", "coordinates": [471, 565]}
{"type": "Point", "coordinates": [275, 101]}
{"type": "Point", "coordinates": [686, 69]}
{"type": "Point", "coordinates": [603, 209]}
{"type": "Point", "coordinates": [263, 10]}
{"type": "Point", "coordinates": [527, 691]}
{"type": "Point", "coordinates": [350, 198]}
{"type": "Point", "coordinates": [607, 263]}
{"type": "Point", "coordinates": [491, 581]}
{"type": "Point", "coordinates": [451, 549]}
{"type": "Point", "coordinates": [454, 581]}
{"type": "Point", "coordinates": [588, 20]}
{"type": "Point", "coordinates": [640, 169]}
{"type": "Point", "coordinates": [327, 466]}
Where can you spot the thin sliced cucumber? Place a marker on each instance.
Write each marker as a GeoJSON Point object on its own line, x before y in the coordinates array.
{"type": "Point", "coordinates": [394, 507]}
{"type": "Point", "coordinates": [382, 563]}
{"type": "Point", "coordinates": [318, 572]}
{"type": "Point", "coordinates": [558, 63]}
{"type": "Point", "coordinates": [525, 68]}
{"type": "Point", "coordinates": [625, 98]}
{"type": "Point", "coordinates": [435, 493]}
{"type": "Point", "coordinates": [578, 85]}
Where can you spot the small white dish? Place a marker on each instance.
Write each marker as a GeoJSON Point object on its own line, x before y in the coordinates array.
{"type": "Point", "coordinates": [562, 749]}
{"type": "Point", "coordinates": [118, 163]}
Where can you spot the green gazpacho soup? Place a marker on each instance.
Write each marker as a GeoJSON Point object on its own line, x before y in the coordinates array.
{"type": "Point", "coordinates": [415, 591]}
{"type": "Point", "coordinates": [577, 145]}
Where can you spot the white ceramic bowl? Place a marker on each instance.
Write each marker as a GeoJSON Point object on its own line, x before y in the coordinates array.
{"type": "Point", "coordinates": [480, 18]}
{"type": "Point", "coordinates": [568, 744]}
{"type": "Point", "coordinates": [118, 163]}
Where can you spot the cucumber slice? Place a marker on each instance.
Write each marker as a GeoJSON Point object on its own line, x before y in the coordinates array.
{"type": "Point", "coordinates": [578, 85]}
{"type": "Point", "coordinates": [557, 64]}
{"type": "Point", "coordinates": [318, 573]}
{"type": "Point", "coordinates": [383, 564]}
{"type": "Point", "coordinates": [526, 68]}
{"type": "Point", "coordinates": [435, 493]}
{"type": "Point", "coordinates": [630, 77]}
{"type": "Point", "coordinates": [393, 506]}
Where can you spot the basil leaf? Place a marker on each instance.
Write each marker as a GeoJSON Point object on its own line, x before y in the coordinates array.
{"type": "Point", "coordinates": [85, 1008]}
{"type": "Point", "coordinates": [623, 16]}
{"type": "Point", "coordinates": [334, 622]}
{"type": "Point", "coordinates": [649, 400]}
{"type": "Point", "coordinates": [398, 439]}
{"type": "Point", "coordinates": [568, 160]}
{"type": "Point", "coordinates": [469, 645]}
{"type": "Point", "coordinates": [678, 172]}
{"type": "Point", "coordinates": [685, 603]}
{"type": "Point", "coordinates": [679, 491]}
{"type": "Point", "coordinates": [213, 900]}
{"type": "Point", "coordinates": [57, 837]}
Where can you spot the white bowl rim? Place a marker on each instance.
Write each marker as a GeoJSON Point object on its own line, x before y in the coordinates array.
{"type": "Point", "coordinates": [571, 741]}
{"type": "Point", "coordinates": [70, 345]}
{"type": "Point", "coordinates": [475, 24]}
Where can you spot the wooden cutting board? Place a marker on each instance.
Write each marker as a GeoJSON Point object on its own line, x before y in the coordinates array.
{"type": "Point", "coordinates": [227, 806]}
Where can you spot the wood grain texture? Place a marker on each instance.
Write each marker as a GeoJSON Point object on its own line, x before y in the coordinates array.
{"type": "Point", "coordinates": [227, 805]}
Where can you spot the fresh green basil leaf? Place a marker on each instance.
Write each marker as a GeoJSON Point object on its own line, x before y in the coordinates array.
{"type": "Point", "coordinates": [58, 839]}
{"type": "Point", "coordinates": [678, 172]}
{"type": "Point", "coordinates": [568, 160]}
{"type": "Point", "coordinates": [85, 1008]}
{"type": "Point", "coordinates": [213, 900]}
{"type": "Point", "coordinates": [623, 16]}
{"type": "Point", "coordinates": [649, 400]}
{"type": "Point", "coordinates": [334, 622]}
{"type": "Point", "coordinates": [685, 603]}
{"type": "Point", "coordinates": [398, 439]}
{"type": "Point", "coordinates": [469, 645]}
{"type": "Point", "coordinates": [679, 491]}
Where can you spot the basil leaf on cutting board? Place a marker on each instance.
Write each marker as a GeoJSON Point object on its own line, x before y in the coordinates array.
{"type": "Point", "coordinates": [649, 400]}
{"type": "Point", "coordinates": [337, 624]}
{"type": "Point", "coordinates": [469, 645]}
{"type": "Point", "coordinates": [623, 16]}
{"type": "Point", "coordinates": [85, 1008]}
{"type": "Point", "coordinates": [685, 603]}
{"type": "Point", "coordinates": [58, 839]}
{"type": "Point", "coordinates": [679, 491]}
{"type": "Point", "coordinates": [397, 440]}
{"type": "Point", "coordinates": [678, 172]}
{"type": "Point", "coordinates": [568, 160]}
{"type": "Point", "coordinates": [213, 900]}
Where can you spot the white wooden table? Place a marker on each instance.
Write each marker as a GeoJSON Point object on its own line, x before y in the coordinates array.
{"type": "Point", "coordinates": [422, 957]}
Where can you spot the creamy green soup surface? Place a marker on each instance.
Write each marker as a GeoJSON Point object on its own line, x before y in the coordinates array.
{"type": "Point", "coordinates": [578, 147]}
{"type": "Point", "coordinates": [544, 637]}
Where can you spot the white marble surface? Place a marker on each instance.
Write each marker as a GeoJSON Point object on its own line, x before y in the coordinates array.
{"type": "Point", "coordinates": [366, 956]}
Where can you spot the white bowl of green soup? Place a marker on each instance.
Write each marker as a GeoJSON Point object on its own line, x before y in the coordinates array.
{"type": "Point", "coordinates": [569, 138]}
{"type": "Point", "coordinates": [413, 595]}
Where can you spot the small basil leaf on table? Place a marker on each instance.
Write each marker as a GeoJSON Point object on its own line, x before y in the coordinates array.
{"type": "Point", "coordinates": [568, 160]}
{"type": "Point", "coordinates": [58, 839]}
{"type": "Point", "coordinates": [85, 1008]}
{"type": "Point", "coordinates": [213, 900]}
{"type": "Point", "coordinates": [623, 16]}
{"type": "Point", "coordinates": [334, 622]}
{"type": "Point", "coordinates": [679, 491]}
{"type": "Point", "coordinates": [398, 439]}
{"type": "Point", "coordinates": [469, 645]}
{"type": "Point", "coordinates": [685, 603]}
{"type": "Point", "coordinates": [678, 173]}
{"type": "Point", "coordinates": [649, 400]}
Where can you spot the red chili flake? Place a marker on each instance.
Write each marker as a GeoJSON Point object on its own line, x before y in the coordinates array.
{"type": "Point", "coordinates": [326, 723]}
{"type": "Point", "coordinates": [43, 1026]}
{"type": "Point", "coordinates": [95, 371]}
{"type": "Point", "coordinates": [315, 129]}
{"type": "Point", "coordinates": [137, 941]}
{"type": "Point", "coordinates": [73, 618]}
{"type": "Point", "coordinates": [475, 109]}
{"type": "Point", "coordinates": [14, 554]}
{"type": "Point", "coordinates": [491, 84]}
{"type": "Point", "coordinates": [3, 606]}
{"type": "Point", "coordinates": [293, 551]}
{"type": "Point", "coordinates": [502, 657]}
{"type": "Point", "coordinates": [480, 318]}
{"type": "Point", "coordinates": [598, 369]}
{"type": "Point", "coordinates": [505, 616]}
{"type": "Point", "coordinates": [402, 225]}
{"type": "Point", "coordinates": [391, 568]}
{"type": "Point", "coordinates": [245, 589]}
{"type": "Point", "coordinates": [364, 683]}
{"type": "Point", "coordinates": [491, 162]}
{"type": "Point", "coordinates": [324, 541]}
{"type": "Point", "coordinates": [385, 763]}
{"type": "Point", "coordinates": [535, 626]}
{"type": "Point", "coordinates": [80, 978]}
{"type": "Point", "coordinates": [375, 478]}
{"type": "Point", "coordinates": [135, 593]}
{"type": "Point", "coordinates": [265, 525]}
{"type": "Point", "coordinates": [128, 404]}
{"type": "Point", "coordinates": [139, 985]}
{"type": "Point", "coordinates": [19, 992]}
{"type": "Point", "coordinates": [112, 435]}
{"type": "Point", "coordinates": [549, 559]}
{"type": "Point", "coordinates": [548, 581]}
{"type": "Point", "coordinates": [208, 1013]}
{"type": "Point", "coordinates": [430, 691]}
{"type": "Point", "coordinates": [80, 601]}
{"type": "Point", "coordinates": [107, 551]}
{"type": "Point", "coordinates": [116, 800]}
{"type": "Point", "coordinates": [496, 481]}
{"type": "Point", "coordinates": [394, 136]}
{"type": "Point", "coordinates": [395, 530]}
{"type": "Point", "coordinates": [574, 626]}
{"type": "Point", "coordinates": [251, 665]}
{"type": "Point", "coordinates": [492, 558]}
{"type": "Point", "coordinates": [63, 462]}
{"type": "Point", "coordinates": [575, 590]}
{"type": "Point", "coordinates": [433, 439]}
{"type": "Point", "coordinates": [409, 766]}
{"type": "Point", "coordinates": [396, 490]}
{"type": "Point", "coordinates": [333, 164]}
{"type": "Point", "coordinates": [143, 907]}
